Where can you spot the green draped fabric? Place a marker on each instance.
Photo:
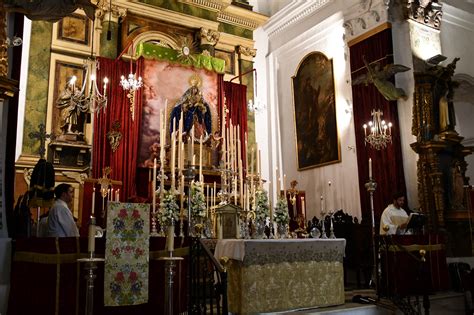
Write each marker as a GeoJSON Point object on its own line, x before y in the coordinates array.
{"type": "Point", "coordinates": [152, 51]}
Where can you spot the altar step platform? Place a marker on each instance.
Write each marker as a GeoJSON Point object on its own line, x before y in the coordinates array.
{"type": "Point", "coordinates": [442, 303]}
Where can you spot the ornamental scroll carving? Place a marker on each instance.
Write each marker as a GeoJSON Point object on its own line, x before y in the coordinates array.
{"type": "Point", "coordinates": [3, 42]}
{"type": "Point", "coordinates": [425, 12]}
{"type": "Point", "coordinates": [210, 36]}
{"type": "Point", "coordinates": [247, 51]}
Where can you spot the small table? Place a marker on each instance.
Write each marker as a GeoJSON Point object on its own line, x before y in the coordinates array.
{"type": "Point", "coordinates": [281, 275]}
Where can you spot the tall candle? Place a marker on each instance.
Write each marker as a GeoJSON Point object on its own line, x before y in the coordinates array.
{"type": "Point", "coordinates": [322, 205]}
{"type": "Point", "coordinates": [112, 194]}
{"type": "Point", "coordinates": [271, 206]}
{"type": "Point", "coordinates": [284, 185]}
{"type": "Point", "coordinates": [117, 194]}
{"type": "Point", "coordinates": [181, 212]}
{"type": "Point", "coordinates": [303, 208]}
{"type": "Point", "coordinates": [200, 160]}
{"type": "Point", "coordinates": [180, 140]}
{"type": "Point", "coordinates": [215, 192]}
{"type": "Point", "coordinates": [93, 199]}
{"type": "Point", "coordinates": [153, 186]}
{"type": "Point", "coordinates": [173, 158]}
{"type": "Point", "coordinates": [207, 200]}
{"type": "Point", "coordinates": [259, 162]}
{"type": "Point", "coordinates": [370, 168]}
{"type": "Point", "coordinates": [170, 238]}
{"type": "Point", "coordinates": [192, 142]}
{"type": "Point", "coordinates": [278, 183]}
{"type": "Point", "coordinates": [91, 234]}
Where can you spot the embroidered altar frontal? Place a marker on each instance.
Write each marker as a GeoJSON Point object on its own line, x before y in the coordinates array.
{"type": "Point", "coordinates": [126, 254]}
{"type": "Point", "coordinates": [281, 275]}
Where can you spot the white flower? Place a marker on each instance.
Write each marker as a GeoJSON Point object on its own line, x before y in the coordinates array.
{"type": "Point", "coordinates": [262, 210]}
{"type": "Point", "coordinates": [281, 212]}
{"type": "Point", "coordinates": [169, 208]}
{"type": "Point", "coordinates": [198, 200]}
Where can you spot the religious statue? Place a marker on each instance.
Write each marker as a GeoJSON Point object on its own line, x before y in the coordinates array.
{"type": "Point", "coordinates": [154, 150]}
{"type": "Point", "coordinates": [380, 78]}
{"type": "Point", "coordinates": [73, 108]}
{"type": "Point", "coordinates": [196, 111]}
{"type": "Point", "coordinates": [443, 90]}
{"type": "Point", "coordinates": [458, 187]}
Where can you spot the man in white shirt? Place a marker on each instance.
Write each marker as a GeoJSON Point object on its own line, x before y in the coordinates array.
{"type": "Point", "coordinates": [60, 220]}
{"type": "Point", "coordinates": [392, 215]}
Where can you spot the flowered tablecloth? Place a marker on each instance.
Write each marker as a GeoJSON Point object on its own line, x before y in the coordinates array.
{"type": "Point", "coordinates": [280, 275]}
{"type": "Point", "coordinates": [126, 254]}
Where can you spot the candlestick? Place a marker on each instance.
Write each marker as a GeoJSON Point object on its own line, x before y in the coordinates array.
{"type": "Point", "coordinates": [370, 168]}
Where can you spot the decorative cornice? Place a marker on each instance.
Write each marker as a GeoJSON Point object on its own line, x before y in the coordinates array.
{"type": "Point", "coordinates": [103, 8]}
{"type": "Point", "coordinates": [214, 6]}
{"type": "Point", "coordinates": [426, 12]}
{"type": "Point", "coordinates": [77, 176]}
{"type": "Point", "coordinates": [292, 14]}
{"type": "Point", "coordinates": [362, 18]}
{"type": "Point", "coordinates": [246, 51]}
{"type": "Point", "coordinates": [210, 37]}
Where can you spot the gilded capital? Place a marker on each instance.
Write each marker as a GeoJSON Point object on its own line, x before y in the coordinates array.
{"type": "Point", "coordinates": [104, 7]}
{"type": "Point", "coordinates": [209, 37]}
{"type": "Point", "coordinates": [426, 12]}
{"type": "Point", "coordinates": [246, 51]}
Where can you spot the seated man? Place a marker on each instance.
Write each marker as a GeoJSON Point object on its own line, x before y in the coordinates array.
{"type": "Point", "coordinates": [394, 218]}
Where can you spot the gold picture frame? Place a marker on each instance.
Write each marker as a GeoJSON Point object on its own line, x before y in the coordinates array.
{"type": "Point", "coordinates": [317, 139]}
{"type": "Point", "coordinates": [74, 28]}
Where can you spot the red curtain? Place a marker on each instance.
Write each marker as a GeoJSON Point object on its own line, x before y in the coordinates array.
{"type": "Point", "coordinates": [236, 100]}
{"type": "Point", "coordinates": [387, 164]}
{"type": "Point", "coordinates": [123, 161]}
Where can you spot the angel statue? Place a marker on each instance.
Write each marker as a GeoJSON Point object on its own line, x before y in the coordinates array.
{"type": "Point", "coordinates": [380, 78]}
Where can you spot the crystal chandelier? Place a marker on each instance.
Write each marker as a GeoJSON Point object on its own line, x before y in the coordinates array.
{"type": "Point", "coordinates": [380, 133]}
{"type": "Point", "coordinates": [131, 84]}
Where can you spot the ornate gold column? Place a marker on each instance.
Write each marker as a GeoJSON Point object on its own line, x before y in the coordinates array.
{"type": "Point", "coordinates": [8, 87]}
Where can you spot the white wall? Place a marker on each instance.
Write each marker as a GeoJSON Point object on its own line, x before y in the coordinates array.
{"type": "Point", "coordinates": [457, 40]}
{"type": "Point", "coordinates": [296, 30]}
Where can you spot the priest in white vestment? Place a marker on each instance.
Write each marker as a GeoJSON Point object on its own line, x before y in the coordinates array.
{"type": "Point", "coordinates": [394, 218]}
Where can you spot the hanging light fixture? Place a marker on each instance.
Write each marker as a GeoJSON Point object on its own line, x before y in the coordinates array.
{"type": "Point", "coordinates": [380, 132]}
{"type": "Point", "coordinates": [93, 101]}
{"type": "Point", "coordinates": [131, 84]}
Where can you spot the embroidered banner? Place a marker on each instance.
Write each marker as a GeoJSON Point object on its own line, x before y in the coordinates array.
{"type": "Point", "coordinates": [126, 254]}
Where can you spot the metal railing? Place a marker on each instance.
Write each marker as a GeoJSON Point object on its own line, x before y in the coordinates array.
{"type": "Point", "coordinates": [207, 281]}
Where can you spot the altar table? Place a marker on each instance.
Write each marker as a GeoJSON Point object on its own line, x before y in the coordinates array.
{"type": "Point", "coordinates": [280, 275]}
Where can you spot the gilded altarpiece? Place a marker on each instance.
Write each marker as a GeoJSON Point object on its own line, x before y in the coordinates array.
{"type": "Point", "coordinates": [441, 165]}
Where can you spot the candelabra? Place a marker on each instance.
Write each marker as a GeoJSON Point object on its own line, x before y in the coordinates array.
{"type": "Point", "coordinates": [371, 185]}
{"type": "Point", "coordinates": [131, 84]}
{"type": "Point", "coordinates": [170, 263]}
{"type": "Point", "coordinates": [380, 133]}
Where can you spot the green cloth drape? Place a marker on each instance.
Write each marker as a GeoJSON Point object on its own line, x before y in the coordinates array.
{"type": "Point", "coordinates": [152, 51]}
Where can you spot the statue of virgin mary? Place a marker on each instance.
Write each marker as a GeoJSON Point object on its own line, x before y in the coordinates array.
{"type": "Point", "coordinates": [196, 111]}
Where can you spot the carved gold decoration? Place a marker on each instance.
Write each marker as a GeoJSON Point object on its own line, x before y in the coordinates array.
{"type": "Point", "coordinates": [247, 51]}
{"type": "Point", "coordinates": [114, 136]}
{"type": "Point", "coordinates": [210, 36]}
{"type": "Point", "coordinates": [3, 42]}
{"type": "Point", "coordinates": [425, 12]}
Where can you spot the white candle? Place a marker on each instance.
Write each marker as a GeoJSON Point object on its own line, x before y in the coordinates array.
{"type": "Point", "coordinates": [91, 234]}
{"type": "Point", "coordinates": [200, 160]}
{"type": "Point", "coordinates": [284, 184]}
{"type": "Point", "coordinates": [259, 162]}
{"type": "Point", "coordinates": [207, 200]}
{"type": "Point", "coordinates": [322, 204]}
{"type": "Point", "coordinates": [173, 158]}
{"type": "Point", "coordinates": [170, 238]}
{"type": "Point", "coordinates": [192, 142]}
{"type": "Point", "coordinates": [117, 194]}
{"type": "Point", "coordinates": [112, 194]}
{"type": "Point", "coordinates": [370, 168]}
{"type": "Point", "coordinates": [303, 211]}
{"type": "Point", "coordinates": [93, 199]}
{"type": "Point", "coordinates": [153, 186]}
{"type": "Point", "coordinates": [215, 192]}
{"type": "Point", "coordinates": [278, 183]}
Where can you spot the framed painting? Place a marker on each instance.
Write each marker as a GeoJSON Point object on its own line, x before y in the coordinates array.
{"type": "Point", "coordinates": [317, 141]}
{"type": "Point", "coordinates": [74, 28]}
{"type": "Point", "coordinates": [229, 58]}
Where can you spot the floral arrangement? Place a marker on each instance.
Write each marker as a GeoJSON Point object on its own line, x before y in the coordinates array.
{"type": "Point", "coordinates": [198, 200]}
{"type": "Point", "coordinates": [281, 212]}
{"type": "Point", "coordinates": [262, 210]}
{"type": "Point", "coordinates": [169, 208]}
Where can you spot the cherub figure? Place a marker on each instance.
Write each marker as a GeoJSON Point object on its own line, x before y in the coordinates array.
{"type": "Point", "coordinates": [380, 78]}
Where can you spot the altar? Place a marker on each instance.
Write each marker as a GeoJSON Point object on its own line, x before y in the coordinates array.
{"type": "Point", "coordinates": [279, 275]}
